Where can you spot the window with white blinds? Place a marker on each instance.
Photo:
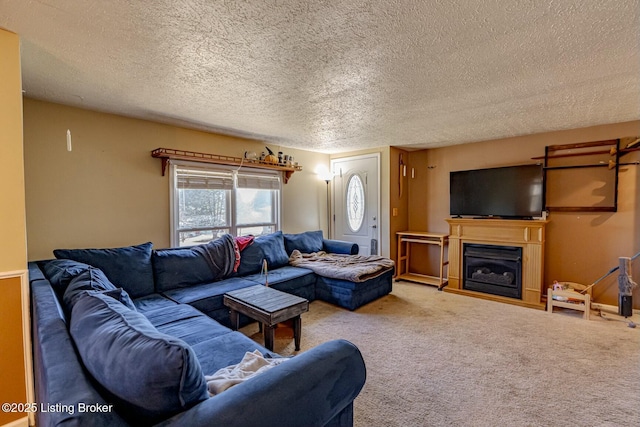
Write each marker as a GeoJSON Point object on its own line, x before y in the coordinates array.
{"type": "Point", "coordinates": [210, 201]}
{"type": "Point", "coordinates": [259, 181]}
{"type": "Point", "coordinates": [204, 179]}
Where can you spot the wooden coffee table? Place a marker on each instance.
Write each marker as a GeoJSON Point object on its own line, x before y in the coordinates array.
{"type": "Point", "coordinates": [269, 307]}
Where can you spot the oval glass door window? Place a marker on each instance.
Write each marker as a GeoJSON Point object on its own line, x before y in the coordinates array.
{"type": "Point", "coordinates": [355, 203]}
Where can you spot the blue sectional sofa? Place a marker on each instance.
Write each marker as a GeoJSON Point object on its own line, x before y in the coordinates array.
{"type": "Point", "coordinates": [125, 336]}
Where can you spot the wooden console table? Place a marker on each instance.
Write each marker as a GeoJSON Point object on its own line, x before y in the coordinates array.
{"type": "Point", "coordinates": [406, 238]}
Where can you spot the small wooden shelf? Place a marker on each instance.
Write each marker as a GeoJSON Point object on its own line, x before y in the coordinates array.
{"type": "Point", "coordinates": [420, 237]}
{"type": "Point", "coordinates": [166, 154]}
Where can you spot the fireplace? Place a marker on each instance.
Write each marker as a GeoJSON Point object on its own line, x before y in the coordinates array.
{"type": "Point", "coordinates": [528, 235]}
{"type": "Point", "coordinates": [492, 269]}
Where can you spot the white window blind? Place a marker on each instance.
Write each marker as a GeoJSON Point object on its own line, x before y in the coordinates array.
{"type": "Point", "coordinates": [259, 181]}
{"type": "Point", "coordinates": [190, 178]}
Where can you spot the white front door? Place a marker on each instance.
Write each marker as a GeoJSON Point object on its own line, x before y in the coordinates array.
{"type": "Point", "coordinates": [356, 207]}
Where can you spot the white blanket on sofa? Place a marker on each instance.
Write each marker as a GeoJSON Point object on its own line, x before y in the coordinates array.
{"type": "Point", "coordinates": [251, 365]}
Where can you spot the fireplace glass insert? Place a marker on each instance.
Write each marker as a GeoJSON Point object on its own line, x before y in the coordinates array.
{"type": "Point", "coordinates": [493, 269]}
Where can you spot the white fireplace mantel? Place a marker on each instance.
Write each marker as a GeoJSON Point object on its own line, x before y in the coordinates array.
{"type": "Point", "coordinates": [527, 234]}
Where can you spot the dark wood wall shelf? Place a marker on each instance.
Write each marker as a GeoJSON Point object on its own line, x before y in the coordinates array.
{"type": "Point", "coordinates": [567, 157]}
{"type": "Point", "coordinates": [166, 154]}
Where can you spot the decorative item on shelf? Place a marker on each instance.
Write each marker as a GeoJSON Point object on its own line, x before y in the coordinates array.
{"type": "Point", "coordinates": [250, 156]}
{"type": "Point", "coordinates": [271, 157]}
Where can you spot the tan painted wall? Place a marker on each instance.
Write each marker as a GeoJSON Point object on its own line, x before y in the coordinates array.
{"type": "Point", "coordinates": [581, 247]}
{"type": "Point", "coordinates": [108, 191]}
{"type": "Point", "coordinates": [13, 250]}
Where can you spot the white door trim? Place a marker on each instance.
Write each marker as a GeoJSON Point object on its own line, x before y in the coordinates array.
{"type": "Point", "coordinates": [378, 188]}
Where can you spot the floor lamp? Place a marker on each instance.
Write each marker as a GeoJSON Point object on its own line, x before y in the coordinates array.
{"type": "Point", "coordinates": [328, 180]}
{"type": "Point", "coordinates": [325, 174]}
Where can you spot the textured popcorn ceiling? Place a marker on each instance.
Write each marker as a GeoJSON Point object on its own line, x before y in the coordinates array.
{"type": "Point", "coordinates": [338, 75]}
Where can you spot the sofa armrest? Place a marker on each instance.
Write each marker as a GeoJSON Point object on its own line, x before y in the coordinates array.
{"type": "Point", "coordinates": [340, 247]}
{"type": "Point", "coordinates": [308, 390]}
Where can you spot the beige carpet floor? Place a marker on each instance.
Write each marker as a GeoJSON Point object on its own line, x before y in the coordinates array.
{"type": "Point", "coordinates": [439, 359]}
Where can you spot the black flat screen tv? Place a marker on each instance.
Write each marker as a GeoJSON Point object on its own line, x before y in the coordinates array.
{"type": "Point", "coordinates": [506, 192]}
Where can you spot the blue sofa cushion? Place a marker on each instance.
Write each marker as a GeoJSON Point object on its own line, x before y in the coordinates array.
{"type": "Point", "coordinates": [292, 280]}
{"type": "Point", "coordinates": [208, 297]}
{"type": "Point", "coordinates": [269, 247]}
{"type": "Point", "coordinates": [128, 267]}
{"type": "Point", "coordinates": [153, 302]}
{"type": "Point", "coordinates": [93, 280]}
{"type": "Point", "coordinates": [183, 267]}
{"type": "Point", "coordinates": [186, 323]}
{"type": "Point", "coordinates": [307, 242]}
{"type": "Point", "coordinates": [150, 375]}
{"type": "Point", "coordinates": [61, 271]}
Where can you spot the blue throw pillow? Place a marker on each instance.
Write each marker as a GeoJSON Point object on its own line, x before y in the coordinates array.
{"type": "Point", "coordinates": [149, 375]}
{"type": "Point", "coordinates": [93, 280]}
{"type": "Point", "coordinates": [128, 268]}
{"type": "Point", "coordinates": [181, 267]}
{"type": "Point", "coordinates": [307, 242]}
{"type": "Point", "coordinates": [269, 247]}
{"type": "Point", "coordinates": [59, 272]}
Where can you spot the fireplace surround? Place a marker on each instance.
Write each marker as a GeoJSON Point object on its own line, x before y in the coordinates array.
{"type": "Point", "coordinates": [511, 239]}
